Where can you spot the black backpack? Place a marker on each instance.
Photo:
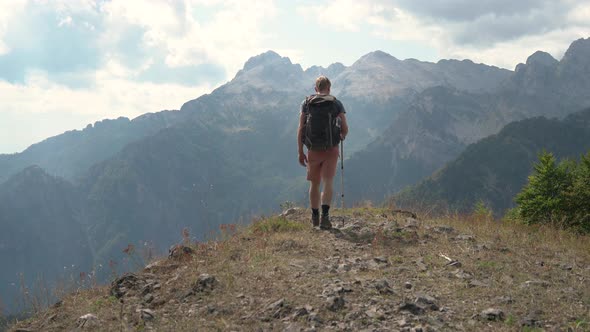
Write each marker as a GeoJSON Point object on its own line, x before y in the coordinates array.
{"type": "Point", "coordinates": [322, 123]}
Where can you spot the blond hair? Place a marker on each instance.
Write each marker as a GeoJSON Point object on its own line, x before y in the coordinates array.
{"type": "Point", "coordinates": [322, 83]}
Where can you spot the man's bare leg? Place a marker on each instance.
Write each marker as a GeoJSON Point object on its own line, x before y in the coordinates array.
{"type": "Point", "coordinates": [327, 192]}
{"type": "Point", "coordinates": [314, 194]}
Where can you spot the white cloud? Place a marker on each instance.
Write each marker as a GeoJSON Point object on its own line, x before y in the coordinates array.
{"type": "Point", "coordinates": [168, 32]}
{"type": "Point", "coordinates": [492, 34]}
{"type": "Point", "coordinates": [344, 15]}
{"type": "Point", "coordinates": [7, 11]}
{"type": "Point", "coordinates": [233, 33]}
{"type": "Point", "coordinates": [113, 95]}
{"type": "Point", "coordinates": [66, 21]}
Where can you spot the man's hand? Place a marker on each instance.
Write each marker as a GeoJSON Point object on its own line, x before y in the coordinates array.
{"type": "Point", "coordinates": [342, 137]}
{"type": "Point", "coordinates": [302, 159]}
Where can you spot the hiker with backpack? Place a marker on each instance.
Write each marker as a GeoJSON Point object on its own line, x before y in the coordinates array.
{"type": "Point", "coordinates": [322, 126]}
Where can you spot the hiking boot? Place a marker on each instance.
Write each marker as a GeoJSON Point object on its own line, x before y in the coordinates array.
{"type": "Point", "coordinates": [315, 220]}
{"type": "Point", "coordinates": [325, 222]}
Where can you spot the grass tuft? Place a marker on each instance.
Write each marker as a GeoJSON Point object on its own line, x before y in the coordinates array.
{"type": "Point", "coordinates": [276, 224]}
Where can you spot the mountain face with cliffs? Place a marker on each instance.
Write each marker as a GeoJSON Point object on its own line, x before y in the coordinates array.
{"type": "Point", "coordinates": [231, 154]}
{"type": "Point", "coordinates": [494, 169]}
{"type": "Point", "coordinates": [441, 121]}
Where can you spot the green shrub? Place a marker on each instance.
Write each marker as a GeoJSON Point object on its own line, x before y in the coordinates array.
{"type": "Point", "coordinates": [557, 193]}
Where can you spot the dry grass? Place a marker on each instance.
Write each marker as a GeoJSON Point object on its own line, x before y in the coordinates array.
{"type": "Point", "coordinates": [284, 258]}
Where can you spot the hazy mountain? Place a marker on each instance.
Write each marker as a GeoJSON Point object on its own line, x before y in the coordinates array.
{"type": "Point", "coordinates": [440, 122]}
{"type": "Point", "coordinates": [70, 154]}
{"type": "Point", "coordinates": [374, 88]}
{"type": "Point", "coordinates": [496, 168]}
{"type": "Point", "coordinates": [40, 234]}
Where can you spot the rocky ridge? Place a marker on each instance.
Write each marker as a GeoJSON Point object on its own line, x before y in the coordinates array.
{"type": "Point", "coordinates": [377, 270]}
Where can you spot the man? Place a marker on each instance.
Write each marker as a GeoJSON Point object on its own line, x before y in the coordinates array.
{"type": "Point", "coordinates": [322, 159]}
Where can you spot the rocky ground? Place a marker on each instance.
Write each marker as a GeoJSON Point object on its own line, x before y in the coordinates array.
{"type": "Point", "coordinates": [377, 270]}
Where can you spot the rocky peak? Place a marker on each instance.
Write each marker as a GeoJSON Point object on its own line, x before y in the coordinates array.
{"type": "Point", "coordinates": [574, 69]}
{"type": "Point", "coordinates": [332, 71]}
{"type": "Point", "coordinates": [579, 51]}
{"type": "Point", "coordinates": [267, 68]}
{"type": "Point", "coordinates": [266, 58]}
{"type": "Point", "coordinates": [376, 57]}
{"type": "Point", "coordinates": [541, 58]}
{"type": "Point", "coordinates": [538, 75]}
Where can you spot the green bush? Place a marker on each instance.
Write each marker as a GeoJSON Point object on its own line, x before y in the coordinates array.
{"type": "Point", "coordinates": [557, 193]}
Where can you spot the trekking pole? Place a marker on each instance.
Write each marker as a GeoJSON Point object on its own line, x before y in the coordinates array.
{"type": "Point", "coordinates": [342, 174]}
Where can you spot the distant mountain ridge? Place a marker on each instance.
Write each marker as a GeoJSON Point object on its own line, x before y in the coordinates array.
{"type": "Point", "coordinates": [267, 81]}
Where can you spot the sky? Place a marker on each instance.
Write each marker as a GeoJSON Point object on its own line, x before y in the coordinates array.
{"type": "Point", "coordinates": [67, 63]}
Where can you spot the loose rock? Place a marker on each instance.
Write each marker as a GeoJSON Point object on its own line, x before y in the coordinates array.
{"type": "Point", "coordinates": [492, 314]}
{"type": "Point", "coordinates": [122, 285]}
{"type": "Point", "coordinates": [88, 321]}
{"type": "Point", "coordinates": [180, 252]}
{"type": "Point", "coordinates": [383, 287]}
{"type": "Point", "coordinates": [443, 229]}
{"type": "Point", "coordinates": [427, 301]}
{"type": "Point", "coordinates": [412, 308]}
{"type": "Point", "coordinates": [146, 314]}
{"type": "Point", "coordinates": [205, 283]}
{"type": "Point", "coordinates": [335, 303]}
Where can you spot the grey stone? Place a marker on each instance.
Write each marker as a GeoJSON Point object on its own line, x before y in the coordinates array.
{"type": "Point", "coordinates": [465, 237]}
{"type": "Point", "coordinates": [278, 309]}
{"type": "Point", "coordinates": [505, 299]}
{"type": "Point", "coordinates": [566, 267]}
{"type": "Point", "coordinates": [146, 314]}
{"type": "Point", "coordinates": [375, 312]}
{"type": "Point", "coordinates": [454, 264]}
{"type": "Point", "coordinates": [412, 308]}
{"type": "Point", "coordinates": [335, 303]}
{"type": "Point", "coordinates": [205, 283]}
{"type": "Point", "coordinates": [383, 287]}
{"type": "Point", "coordinates": [443, 229]}
{"type": "Point", "coordinates": [533, 319]}
{"type": "Point", "coordinates": [289, 212]}
{"type": "Point", "coordinates": [301, 311]}
{"type": "Point", "coordinates": [180, 251]}
{"type": "Point", "coordinates": [148, 298]}
{"type": "Point", "coordinates": [427, 301]}
{"type": "Point", "coordinates": [121, 286]}
{"type": "Point", "coordinates": [381, 260]}
{"type": "Point", "coordinates": [462, 275]}
{"type": "Point", "coordinates": [492, 314]}
{"type": "Point", "coordinates": [315, 318]}
{"type": "Point", "coordinates": [539, 283]}
{"type": "Point", "coordinates": [88, 321]}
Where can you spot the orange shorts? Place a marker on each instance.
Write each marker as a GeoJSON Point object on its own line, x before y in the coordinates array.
{"type": "Point", "coordinates": [322, 164]}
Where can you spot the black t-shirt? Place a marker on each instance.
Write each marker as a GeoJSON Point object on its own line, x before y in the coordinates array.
{"type": "Point", "coordinates": [337, 102]}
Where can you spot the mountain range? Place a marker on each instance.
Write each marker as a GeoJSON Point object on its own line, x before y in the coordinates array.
{"type": "Point", "coordinates": [440, 122]}
{"type": "Point", "coordinates": [230, 154]}
{"type": "Point", "coordinates": [494, 169]}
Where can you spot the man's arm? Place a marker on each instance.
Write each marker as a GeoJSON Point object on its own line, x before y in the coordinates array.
{"type": "Point", "coordinates": [344, 124]}
{"type": "Point", "coordinates": [302, 157]}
